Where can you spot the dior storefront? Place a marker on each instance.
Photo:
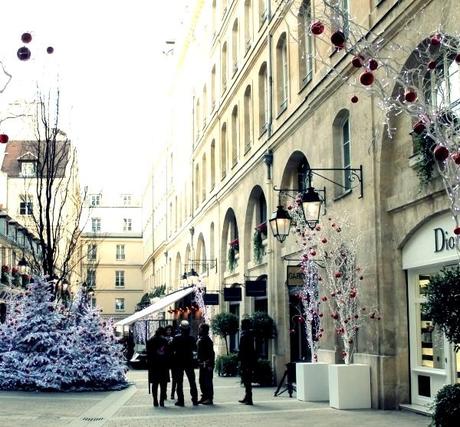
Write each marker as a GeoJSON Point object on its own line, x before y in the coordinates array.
{"type": "Point", "coordinates": [433, 362]}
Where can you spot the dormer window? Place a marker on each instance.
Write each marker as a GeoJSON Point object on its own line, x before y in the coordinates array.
{"type": "Point", "coordinates": [28, 169]}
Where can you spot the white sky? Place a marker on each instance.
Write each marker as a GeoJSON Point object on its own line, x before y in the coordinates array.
{"type": "Point", "coordinates": [108, 54]}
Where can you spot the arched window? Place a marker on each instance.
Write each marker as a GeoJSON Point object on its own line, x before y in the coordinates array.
{"type": "Point", "coordinates": [203, 178]}
{"type": "Point", "coordinates": [263, 98]}
{"type": "Point", "coordinates": [247, 119]}
{"type": "Point", "coordinates": [197, 186]}
{"type": "Point", "coordinates": [213, 88]}
{"type": "Point", "coordinates": [235, 47]}
{"type": "Point", "coordinates": [213, 17]}
{"type": "Point", "coordinates": [205, 105]}
{"type": "Point", "coordinates": [224, 67]}
{"type": "Point", "coordinates": [211, 241]}
{"type": "Point", "coordinates": [197, 119]}
{"type": "Point", "coordinates": [247, 24]}
{"type": "Point", "coordinates": [262, 12]}
{"type": "Point", "coordinates": [305, 43]}
{"type": "Point", "coordinates": [234, 135]}
{"type": "Point", "coordinates": [342, 150]}
{"type": "Point", "coordinates": [281, 73]}
{"type": "Point", "coordinates": [223, 151]}
{"type": "Point", "coordinates": [213, 164]}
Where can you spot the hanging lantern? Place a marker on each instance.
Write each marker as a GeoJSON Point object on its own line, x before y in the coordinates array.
{"type": "Point", "coordinates": [280, 224]}
{"type": "Point", "coordinates": [311, 207]}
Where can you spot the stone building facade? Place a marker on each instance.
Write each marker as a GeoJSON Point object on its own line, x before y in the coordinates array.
{"type": "Point", "coordinates": [112, 252]}
{"type": "Point", "coordinates": [252, 111]}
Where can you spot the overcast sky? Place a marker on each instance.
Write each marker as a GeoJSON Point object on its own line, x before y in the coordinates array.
{"type": "Point", "coordinates": [111, 66]}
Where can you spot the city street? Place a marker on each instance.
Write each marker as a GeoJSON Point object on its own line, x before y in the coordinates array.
{"type": "Point", "coordinates": [133, 407]}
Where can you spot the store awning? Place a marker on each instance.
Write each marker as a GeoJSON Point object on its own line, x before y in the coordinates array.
{"type": "Point", "coordinates": [160, 305]}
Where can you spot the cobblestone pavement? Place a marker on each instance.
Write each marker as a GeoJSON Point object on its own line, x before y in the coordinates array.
{"type": "Point", "coordinates": [133, 407]}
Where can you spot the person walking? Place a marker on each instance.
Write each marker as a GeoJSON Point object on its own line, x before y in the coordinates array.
{"type": "Point", "coordinates": [158, 365]}
{"type": "Point", "coordinates": [248, 358]}
{"type": "Point", "coordinates": [183, 346]}
{"type": "Point", "coordinates": [169, 335]}
{"type": "Point", "coordinates": [206, 357]}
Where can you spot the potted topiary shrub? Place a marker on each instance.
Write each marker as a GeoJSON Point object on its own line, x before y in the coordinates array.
{"type": "Point", "coordinates": [227, 365]}
{"type": "Point", "coordinates": [223, 325]}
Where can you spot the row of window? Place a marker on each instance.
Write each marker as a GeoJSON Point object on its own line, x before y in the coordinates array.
{"type": "Point", "coordinates": [95, 199]}
{"type": "Point", "coordinates": [91, 253]}
{"type": "Point", "coordinates": [96, 224]}
{"type": "Point", "coordinates": [119, 278]}
{"type": "Point", "coordinates": [119, 304]}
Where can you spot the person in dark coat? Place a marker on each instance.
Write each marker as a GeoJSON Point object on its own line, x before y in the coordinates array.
{"type": "Point", "coordinates": [158, 365]}
{"type": "Point", "coordinates": [169, 335]}
{"type": "Point", "coordinates": [183, 346]}
{"type": "Point", "coordinates": [206, 358]}
{"type": "Point", "coordinates": [248, 358]}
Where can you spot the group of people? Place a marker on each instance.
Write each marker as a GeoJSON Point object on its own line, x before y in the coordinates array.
{"type": "Point", "coordinates": [168, 353]}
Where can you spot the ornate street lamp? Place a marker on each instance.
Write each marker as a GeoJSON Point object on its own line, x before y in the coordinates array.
{"type": "Point", "coordinates": [280, 223]}
{"type": "Point", "coordinates": [311, 207]}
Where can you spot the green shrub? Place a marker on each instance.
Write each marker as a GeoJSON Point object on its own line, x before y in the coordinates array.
{"type": "Point", "coordinates": [263, 373]}
{"type": "Point", "coordinates": [443, 303]}
{"type": "Point", "coordinates": [447, 407]}
{"type": "Point", "coordinates": [227, 365]}
{"type": "Point", "coordinates": [223, 325]}
{"type": "Point", "coordinates": [263, 325]}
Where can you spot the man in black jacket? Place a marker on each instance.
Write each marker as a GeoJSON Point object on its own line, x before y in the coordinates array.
{"type": "Point", "coordinates": [183, 346]}
{"type": "Point", "coordinates": [206, 363]}
{"type": "Point", "coordinates": [248, 358]}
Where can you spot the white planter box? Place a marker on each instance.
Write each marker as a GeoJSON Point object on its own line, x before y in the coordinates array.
{"type": "Point", "coordinates": [312, 383]}
{"type": "Point", "coordinates": [350, 386]}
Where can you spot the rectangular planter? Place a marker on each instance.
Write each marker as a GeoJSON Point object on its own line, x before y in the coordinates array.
{"type": "Point", "coordinates": [312, 383]}
{"type": "Point", "coordinates": [350, 386]}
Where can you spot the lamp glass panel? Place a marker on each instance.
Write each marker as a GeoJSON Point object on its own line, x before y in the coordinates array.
{"type": "Point", "coordinates": [311, 210]}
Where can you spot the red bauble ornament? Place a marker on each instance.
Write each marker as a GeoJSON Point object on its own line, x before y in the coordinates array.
{"type": "Point", "coordinates": [419, 127]}
{"type": "Point", "coordinates": [317, 28]}
{"type": "Point", "coordinates": [23, 53]}
{"type": "Point", "coordinates": [366, 78]}
{"type": "Point", "coordinates": [26, 37]}
{"type": "Point", "coordinates": [436, 40]}
{"type": "Point", "coordinates": [313, 253]}
{"type": "Point", "coordinates": [431, 65]}
{"type": "Point", "coordinates": [441, 153]}
{"type": "Point", "coordinates": [457, 231]}
{"type": "Point", "coordinates": [357, 61]}
{"type": "Point", "coordinates": [373, 64]}
{"type": "Point", "coordinates": [457, 58]}
{"type": "Point", "coordinates": [456, 157]}
{"type": "Point", "coordinates": [338, 274]}
{"type": "Point", "coordinates": [338, 38]}
{"type": "Point", "coordinates": [361, 277]}
{"type": "Point", "coordinates": [354, 99]}
{"type": "Point", "coordinates": [324, 240]}
{"type": "Point", "coordinates": [324, 298]}
{"type": "Point", "coordinates": [334, 315]}
{"type": "Point", "coordinates": [50, 50]}
{"type": "Point", "coordinates": [410, 95]}
{"type": "Point", "coordinates": [4, 138]}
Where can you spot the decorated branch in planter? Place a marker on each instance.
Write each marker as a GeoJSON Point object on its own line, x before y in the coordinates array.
{"type": "Point", "coordinates": [309, 293]}
{"type": "Point", "coordinates": [231, 256]}
{"type": "Point", "coordinates": [337, 249]}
